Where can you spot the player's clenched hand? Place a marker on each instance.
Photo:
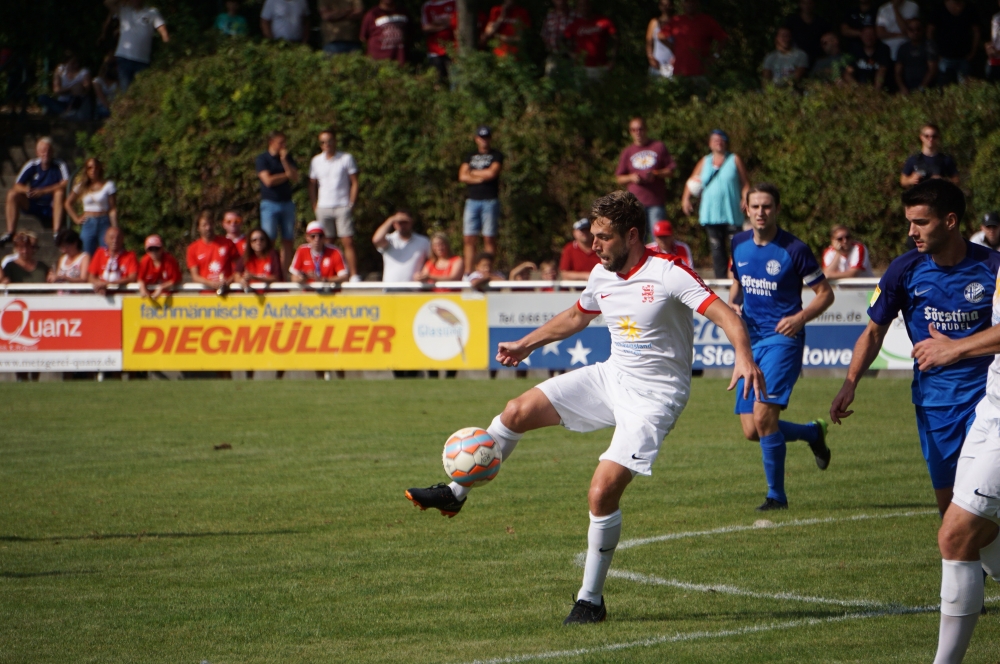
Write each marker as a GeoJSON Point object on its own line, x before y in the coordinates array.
{"type": "Point", "coordinates": [753, 378]}
{"type": "Point", "coordinates": [510, 353]}
{"type": "Point", "coordinates": [790, 325]}
{"type": "Point", "coordinates": [841, 402]}
{"type": "Point", "coordinates": [938, 351]}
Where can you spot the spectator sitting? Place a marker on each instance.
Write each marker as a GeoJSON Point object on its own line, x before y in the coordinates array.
{"type": "Point", "coordinates": [507, 22]}
{"type": "Point", "coordinates": [333, 191]}
{"type": "Point", "coordinates": [386, 32]}
{"type": "Point", "coordinates": [663, 233]}
{"type": "Point", "coordinates": [929, 162]}
{"type": "Point", "coordinates": [435, 21]}
{"type": "Point", "coordinates": [232, 223]}
{"type": "Point", "coordinates": [260, 261]}
{"type": "Point", "coordinates": [808, 29]}
{"type": "Point", "coordinates": [593, 38]}
{"type": "Point", "coordinates": [39, 190]}
{"type": "Point", "coordinates": [442, 265]}
{"type": "Point", "coordinates": [340, 25]}
{"type": "Point", "coordinates": [787, 64]}
{"type": "Point", "coordinates": [578, 256]}
{"type": "Point", "coordinates": [916, 60]}
{"type": "Point", "coordinates": [106, 87]}
{"type": "Point", "coordinates": [845, 258]}
{"type": "Point", "coordinates": [403, 251]}
{"type": "Point", "coordinates": [316, 260]}
{"type": "Point", "coordinates": [989, 232]}
{"type": "Point", "coordinates": [111, 264]}
{"type": "Point", "coordinates": [211, 259]}
{"type": "Point", "coordinates": [871, 61]}
{"type": "Point", "coordinates": [25, 269]}
{"type": "Point", "coordinates": [157, 269]}
{"type": "Point", "coordinates": [993, 50]}
{"type": "Point", "coordinates": [643, 168]}
{"type": "Point", "coordinates": [285, 20]}
{"type": "Point", "coordinates": [71, 86]}
{"type": "Point", "coordinates": [136, 25]}
{"type": "Point", "coordinates": [833, 67]}
{"type": "Point", "coordinates": [481, 172]}
{"type": "Point", "coordinates": [855, 19]}
{"type": "Point", "coordinates": [954, 28]}
{"type": "Point", "coordinates": [891, 20]}
{"type": "Point", "coordinates": [480, 277]}
{"type": "Point", "coordinates": [696, 38]}
{"type": "Point", "coordinates": [277, 170]}
{"type": "Point", "coordinates": [100, 208]}
{"type": "Point", "coordinates": [230, 23]}
{"type": "Point", "coordinates": [554, 34]}
{"type": "Point", "coordinates": [549, 271]}
{"type": "Point", "coordinates": [73, 261]}
{"type": "Point", "coordinates": [522, 272]}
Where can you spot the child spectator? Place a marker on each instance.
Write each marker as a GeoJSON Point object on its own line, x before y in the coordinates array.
{"type": "Point", "coordinates": [593, 38]}
{"type": "Point", "coordinates": [230, 23]}
{"type": "Point", "coordinates": [845, 258]}
{"type": "Point", "coordinates": [403, 251]}
{"type": "Point", "coordinates": [341, 25]}
{"type": "Point", "coordinates": [260, 262]}
{"type": "Point", "coordinates": [386, 31]}
{"type": "Point", "coordinates": [916, 60]}
{"type": "Point", "coordinates": [549, 271]}
{"type": "Point", "coordinates": [481, 173]}
{"type": "Point", "coordinates": [99, 197]}
{"type": "Point", "coordinates": [112, 265]}
{"type": "Point", "coordinates": [316, 260]}
{"type": "Point", "coordinates": [25, 269]}
{"type": "Point", "coordinates": [442, 265]}
{"type": "Point", "coordinates": [578, 256]}
{"type": "Point", "coordinates": [211, 259]}
{"type": "Point", "coordinates": [786, 65]}
{"type": "Point", "coordinates": [136, 25]}
{"type": "Point", "coordinates": [665, 243]}
{"type": "Point", "coordinates": [286, 20]}
{"type": "Point", "coordinates": [157, 269]}
{"type": "Point", "coordinates": [73, 264]}
{"type": "Point", "coordinates": [480, 277]}
{"type": "Point", "coordinates": [507, 22]}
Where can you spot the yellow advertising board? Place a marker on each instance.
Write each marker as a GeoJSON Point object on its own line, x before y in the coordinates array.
{"type": "Point", "coordinates": [305, 332]}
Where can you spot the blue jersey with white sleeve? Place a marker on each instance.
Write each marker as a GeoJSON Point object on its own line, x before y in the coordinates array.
{"type": "Point", "coordinates": [772, 276]}
{"type": "Point", "coordinates": [957, 301]}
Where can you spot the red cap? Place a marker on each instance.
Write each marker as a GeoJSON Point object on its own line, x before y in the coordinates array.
{"type": "Point", "coordinates": [663, 228]}
{"type": "Point", "coordinates": [154, 241]}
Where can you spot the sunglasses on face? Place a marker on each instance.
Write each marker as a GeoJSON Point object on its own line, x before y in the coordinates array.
{"type": "Point", "coordinates": [150, 250]}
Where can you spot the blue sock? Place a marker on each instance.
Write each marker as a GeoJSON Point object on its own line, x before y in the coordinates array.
{"type": "Point", "coordinates": [792, 431]}
{"type": "Point", "coordinates": [773, 450]}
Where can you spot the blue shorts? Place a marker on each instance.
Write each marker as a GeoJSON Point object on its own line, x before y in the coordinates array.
{"type": "Point", "coordinates": [481, 217]}
{"type": "Point", "coordinates": [942, 431]}
{"type": "Point", "coordinates": [275, 216]}
{"type": "Point", "coordinates": [40, 207]}
{"type": "Point", "coordinates": [781, 364]}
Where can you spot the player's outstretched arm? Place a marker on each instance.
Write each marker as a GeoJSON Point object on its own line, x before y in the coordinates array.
{"type": "Point", "coordinates": [753, 378]}
{"type": "Point", "coordinates": [940, 351]}
{"type": "Point", "coordinates": [564, 325]}
{"type": "Point", "coordinates": [865, 351]}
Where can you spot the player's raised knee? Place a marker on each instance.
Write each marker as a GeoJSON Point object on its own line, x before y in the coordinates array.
{"type": "Point", "coordinates": [602, 498]}
{"type": "Point", "coordinates": [750, 430]}
{"type": "Point", "coordinates": [516, 413]}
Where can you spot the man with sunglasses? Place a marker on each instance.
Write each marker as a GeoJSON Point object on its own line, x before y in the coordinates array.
{"type": "Point", "coordinates": [157, 269]}
{"type": "Point", "coordinates": [316, 260]}
{"type": "Point", "coordinates": [930, 162]}
{"type": "Point", "coordinates": [845, 258]}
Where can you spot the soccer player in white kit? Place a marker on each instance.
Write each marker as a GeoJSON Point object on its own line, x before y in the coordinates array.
{"type": "Point", "coordinates": [969, 537]}
{"type": "Point", "coordinates": [646, 299]}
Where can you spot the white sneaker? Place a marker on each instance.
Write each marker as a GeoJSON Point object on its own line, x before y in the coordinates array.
{"type": "Point", "coordinates": [355, 278]}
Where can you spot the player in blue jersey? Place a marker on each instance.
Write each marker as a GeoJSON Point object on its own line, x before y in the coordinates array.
{"type": "Point", "coordinates": [769, 267]}
{"type": "Point", "coordinates": [947, 284]}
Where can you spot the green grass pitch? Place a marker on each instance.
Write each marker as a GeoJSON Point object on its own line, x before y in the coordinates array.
{"type": "Point", "coordinates": [126, 537]}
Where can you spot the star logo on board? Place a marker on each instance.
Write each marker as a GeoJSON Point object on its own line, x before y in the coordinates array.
{"type": "Point", "coordinates": [578, 353]}
{"type": "Point", "coordinates": [628, 328]}
{"type": "Point", "coordinates": [551, 348]}
{"type": "Point", "coordinates": [527, 361]}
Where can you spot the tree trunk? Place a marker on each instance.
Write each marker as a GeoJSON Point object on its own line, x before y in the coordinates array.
{"type": "Point", "coordinates": [466, 27]}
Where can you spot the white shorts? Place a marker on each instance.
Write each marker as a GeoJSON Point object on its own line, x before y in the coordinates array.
{"type": "Point", "coordinates": [977, 478]}
{"type": "Point", "coordinates": [599, 396]}
{"type": "Point", "coordinates": [337, 219]}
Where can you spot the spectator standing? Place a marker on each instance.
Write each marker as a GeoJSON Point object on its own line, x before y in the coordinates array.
{"type": "Point", "coordinates": [658, 50]}
{"type": "Point", "coordinates": [554, 34]}
{"type": "Point", "coordinates": [442, 265]}
{"type": "Point", "coordinates": [481, 173]}
{"type": "Point", "coordinates": [316, 260]}
{"type": "Point", "coordinates": [105, 87]}
{"type": "Point", "coordinates": [861, 16]}
{"type": "Point", "coordinates": [832, 67]}
{"type": "Point", "coordinates": [786, 65]}
{"type": "Point", "coordinates": [157, 269]}
{"type": "Point", "coordinates": [386, 32]}
{"type": "Point", "coordinates": [25, 269]}
{"type": "Point", "coordinates": [71, 85]}
{"type": "Point", "coordinates": [112, 265]}
{"type": "Point", "coordinates": [39, 190]}
{"type": "Point", "coordinates": [435, 20]}
{"type": "Point", "coordinates": [340, 25]}
{"type": "Point", "coordinates": [807, 29]}
{"type": "Point", "coordinates": [930, 162]}
{"type": "Point", "coordinates": [643, 168]}
{"type": "Point", "coordinates": [403, 251]}
{"type": "Point", "coordinates": [989, 232]}
{"type": "Point", "coordinates": [211, 259]}
{"type": "Point", "coordinates": [285, 20]}
{"type": "Point", "coordinates": [72, 266]}
{"type": "Point", "coordinates": [99, 197]}
{"type": "Point", "coordinates": [696, 38]}
{"type": "Point", "coordinates": [232, 223]}
{"type": "Point", "coordinates": [578, 256]}
{"type": "Point", "coordinates": [507, 23]}
{"type": "Point", "coordinates": [891, 22]}
{"type": "Point", "coordinates": [871, 62]}
{"type": "Point", "coordinates": [231, 24]}
{"type": "Point", "coordinates": [723, 183]}
{"type": "Point", "coordinates": [993, 50]}
{"type": "Point", "coordinates": [954, 28]}
{"type": "Point", "coordinates": [277, 170]}
{"type": "Point", "coordinates": [333, 191]}
{"type": "Point", "coordinates": [845, 258]}
{"type": "Point", "coordinates": [594, 39]}
{"type": "Point", "coordinates": [664, 242]}
{"type": "Point", "coordinates": [916, 60]}
{"type": "Point", "coordinates": [136, 26]}
{"type": "Point", "coordinates": [260, 262]}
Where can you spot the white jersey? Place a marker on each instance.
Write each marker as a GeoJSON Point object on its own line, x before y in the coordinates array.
{"type": "Point", "coordinates": [856, 259]}
{"type": "Point", "coordinates": [993, 377]}
{"type": "Point", "coordinates": [648, 311]}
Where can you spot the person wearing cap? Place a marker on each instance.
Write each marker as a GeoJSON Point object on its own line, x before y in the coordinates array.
{"type": "Point", "coordinates": [578, 257]}
{"type": "Point", "coordinates": [211, 259]}
{"type": "Point", "coordinates": [111, 264]}
{"type": "Point", "coordinates": [157, 269]}
{"type": "Point", "coordinates": [643, 168]}
{"type": "Point", "coordinates": [845, 258]}
{"type": "Point", "coordinates": [721, 180]}
{"type": "Point", "coordinates": [989, 232]}
{"type": "Point", "coordinates": [481, 173]}
{"type": "Point", "coordinates": [316, 260]}
{"type": "Point", "coordinates": [665, 243]}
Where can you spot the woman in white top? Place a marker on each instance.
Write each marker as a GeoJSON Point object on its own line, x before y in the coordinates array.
{"type": "Point", "coordinates": [661, 58]}
{"type": "Point", "coordinates": [70, 85]}
{"type": "Point", "coordinates": [100, 210]}
{"type": "Point", "coordinates": [73, 260]}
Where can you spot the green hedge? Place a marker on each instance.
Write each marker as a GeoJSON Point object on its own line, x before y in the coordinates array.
{"type": "Point", "coordinates": [186, 137]}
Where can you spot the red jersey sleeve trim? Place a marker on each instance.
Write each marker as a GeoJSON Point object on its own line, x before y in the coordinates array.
{"type": "Point", "coordinates": [586, 311]}
{"type": "Point", "coordinates": [703, 307]}
{"type": "Point", "coordinates": [860, 264]}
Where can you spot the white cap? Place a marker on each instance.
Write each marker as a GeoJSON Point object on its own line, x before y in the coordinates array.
{"type": "Point", "coordinates": [314, 227]}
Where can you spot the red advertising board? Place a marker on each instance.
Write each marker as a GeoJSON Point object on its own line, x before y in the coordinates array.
{"type": "Point", "coordinates": [60, 333]}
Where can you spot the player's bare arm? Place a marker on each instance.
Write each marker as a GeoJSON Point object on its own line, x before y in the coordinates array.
{"type": "Point", "coordinates": [753, 378]}
{"type": "Point", "coordinates": [558, 328]}
{"type": "Point", "coordinates": [940, 350]}
{"type": "Point", "coordinates": [865, 351]}
{"type": "Point", "coordinates": [736, 297]}
{"type": "Point", "coordinates": [790, 326]}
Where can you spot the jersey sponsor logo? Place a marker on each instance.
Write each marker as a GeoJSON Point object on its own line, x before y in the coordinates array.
{"type": "Point", "coordinates": [628, 328]}
{"type": "Point", "coordinates": [755, 286]}
{"type": "Point", "coordinates": [773, 267]}
{"type": "Point", "coordinates": [975, 292]}
{"type": "Point", "coordinates": [647, 293]}
{"type": "Point", "coordinates": [950, 320]}
{"type": "Point", "coordinates": [643, 160]}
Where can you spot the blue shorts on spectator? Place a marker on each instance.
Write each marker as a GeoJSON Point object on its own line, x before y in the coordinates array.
{"type": "Point", "coordinates": [275, 216]}
{"type": "Point", "coordinates": [953, 70]}
{"type": "Point", "coordinates": [654, 213]}
{"type": "Point", "coordinates": [481, 217]}
{"type": "Point", "coordinates": [341, 47]}
{"type": "Point", "coordinates": [92, 233]}
{"type": "Point", "coordinates": [127, 69]}
{"type": "Point", "coordinates": [40, 208]}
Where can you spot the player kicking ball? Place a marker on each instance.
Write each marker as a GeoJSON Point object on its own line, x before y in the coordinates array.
{"type": "Point", "coordinates": [646, 299]}
{"type": "Point", "coordinates": [769, 267]}
{"type": "Point", "coordinates": [948, 284]}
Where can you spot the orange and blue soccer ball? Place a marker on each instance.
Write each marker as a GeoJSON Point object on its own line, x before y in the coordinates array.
{"type": "Point", "coordinates": [471, 457]}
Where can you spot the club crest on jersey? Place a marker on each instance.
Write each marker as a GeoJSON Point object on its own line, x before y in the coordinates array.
{"type": "Point", "coordinates": [773, 267]}
{"type": "Point", "coordinates": [647, 293]}
{"type": "Point", "coordinates": [975, 292]}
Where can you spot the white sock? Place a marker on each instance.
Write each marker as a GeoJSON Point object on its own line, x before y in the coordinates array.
{"type": "Point", "coordinates": [961, 601]}
{"type": "Point", "coordinates": [505, 438]}
{"type": "Point", "coordinates": [989, 556]}
{"type": "Point", "coordinates": [602, 538]}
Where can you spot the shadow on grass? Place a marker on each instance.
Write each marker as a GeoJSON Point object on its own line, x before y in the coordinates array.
{"type": "Point", "coordinates": [144, 535]}
{"type": "Point", "coordinates": [33, 575]}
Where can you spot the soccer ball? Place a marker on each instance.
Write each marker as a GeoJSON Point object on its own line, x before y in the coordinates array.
{"type": "Point", "coordinates": [471, 457]}
{"type": "Point", "coordinates": [694, 186]}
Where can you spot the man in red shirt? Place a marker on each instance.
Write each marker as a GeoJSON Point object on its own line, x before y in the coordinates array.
{"type": "Point", "coordinates": [665, 243]}
{"type": "Point", "coordinates": [578, 257]}
{"type": "Point", "coordinates": [386, 32]}
{"type": "Point", "coordinates": [507, 22]}
{"type": "Point", "coordinates": [643, 168]}
{"type": "Point", "coordinates": [594, 38]}
{"type": "Point", "coordinates": [211, 259]}
{"type": "Point", "coordinates": [157, 268]}
{"type": "Point", "coordinates": [693, 34]}
{"type": "Point", "coordinates": [232, 223]}
{"type": "Point", "coordinates": [112, 266]}
{"type": "Point", "coordinates": [436, 20]}
{"type": "Point", "coordinates": [316, 260]}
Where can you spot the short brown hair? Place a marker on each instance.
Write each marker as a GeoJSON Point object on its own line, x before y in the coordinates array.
{"type": "Point", "coordinates": [623, 210]}
{"type": "Point", "coordinates": [765, 188]}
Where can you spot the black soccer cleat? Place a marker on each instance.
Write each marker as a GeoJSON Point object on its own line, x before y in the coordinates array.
{"type": "Point", "coordinates": [584, 613]}
{"type": "Point", "coordinates": [439, 497]}
{"type": "Point", "coordinates": [772, 504]}
{"type": "Point", "coordinates": [819, 448]}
